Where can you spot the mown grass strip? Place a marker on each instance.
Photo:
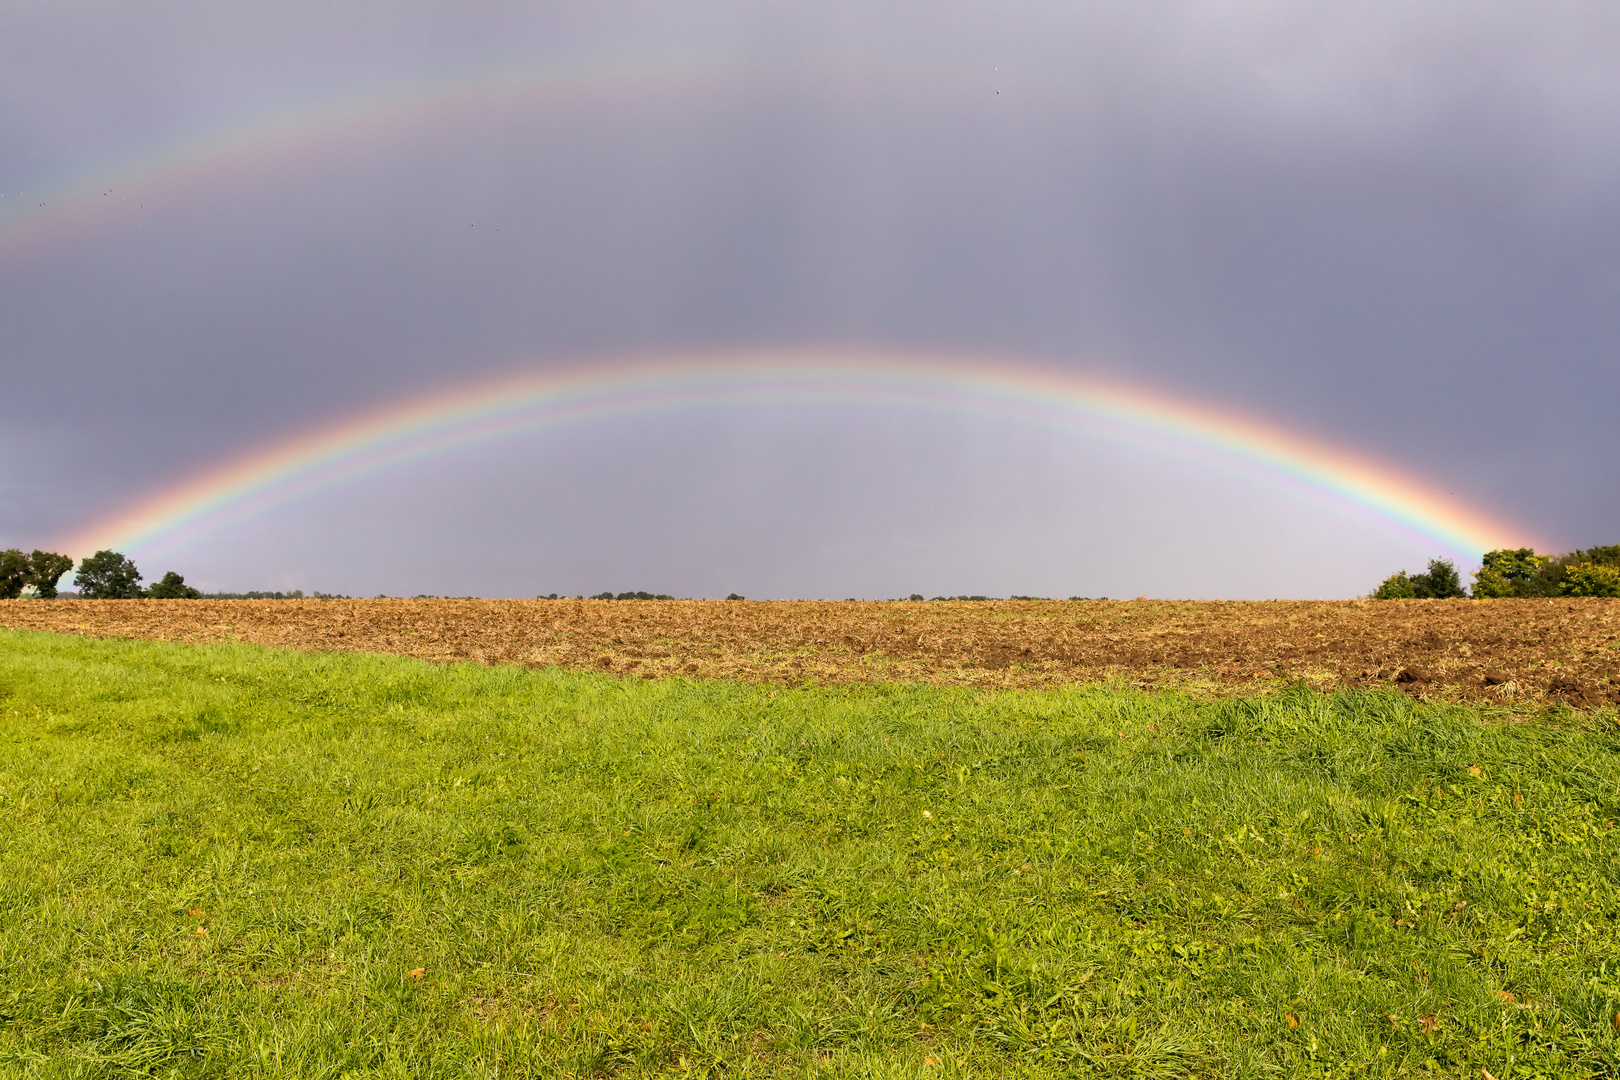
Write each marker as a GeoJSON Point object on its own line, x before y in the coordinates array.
{"type": "Point", "coordinates": [229, 860]}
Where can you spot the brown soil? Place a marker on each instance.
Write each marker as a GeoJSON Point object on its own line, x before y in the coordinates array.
{"type": "Point", "coordinates": [1505, 651]}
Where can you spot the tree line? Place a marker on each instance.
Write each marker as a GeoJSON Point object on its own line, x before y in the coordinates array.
{"type": "Point", "coordinates": [106, 575]}
{"type": "Point", "coordinates": [1516, 572]}
{"type": "Point", "coordinates": [1505, 573]}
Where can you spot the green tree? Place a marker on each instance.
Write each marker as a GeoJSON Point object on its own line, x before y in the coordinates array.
{"type": "Point", "coordinates": [172, 587]}
{"type": "Point", "coordinates": [13, 573]}
{"type": "Point", "coordinates": [1439, 582]}
{"type": "Point", "coordinates": [45, 569]}
{"type": "Point", "coordinates": [1590, 579]}
{"type": "Point", "coordinates": [1507, 572]}
{"type": "Point", "coordinates": [108, 575]}
{"type": "Point", "coordinates": [1548, 579]}
{"type": "Point", "coordinates": [40, 569]}
{"type": "Point", "coordinates": [1396, 587]}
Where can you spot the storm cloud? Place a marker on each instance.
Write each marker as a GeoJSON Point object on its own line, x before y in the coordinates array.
{"type": "Point", "coordinates": [1393, 228]}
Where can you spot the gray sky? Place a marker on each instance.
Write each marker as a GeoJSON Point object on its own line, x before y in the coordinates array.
{"type": "Point", "coordinates": [1393, 227]}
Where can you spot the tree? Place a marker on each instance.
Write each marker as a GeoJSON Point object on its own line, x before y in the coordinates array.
{"type": "Point", "coordinates": [1396, 587]}
{"type": "Point", "coordinates": [1507, 573]}
{"type": "Point", "coordinates": [41, 569]}
{"type": "Point", "coordinates": [1440, 582]}
{"type": "Point", "coordinates": [1590, 579]}
{"type": "Point", "coordinates": [108, 575]}
{"type": "Point", "coordinates": [46, 569]}
{"type": "Point", "coordinates": [13, 573]}
{"type": "Point", "coordinates": [172, 587]}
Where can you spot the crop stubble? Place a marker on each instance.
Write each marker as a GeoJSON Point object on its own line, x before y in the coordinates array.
{"type": "Point", "coordinates": [1508, 651]}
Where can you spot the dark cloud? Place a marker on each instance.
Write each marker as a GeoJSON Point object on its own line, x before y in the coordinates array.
{"type": "Point", "coordinates": [1395, 228]}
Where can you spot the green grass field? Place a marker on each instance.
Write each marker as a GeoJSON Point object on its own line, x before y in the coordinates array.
{"type": "Point", "coordinates": [234, 861]}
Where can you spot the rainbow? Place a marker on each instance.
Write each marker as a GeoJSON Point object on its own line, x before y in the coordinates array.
{"type": "Point", "coordinates": [247, 149]}
{"type": "Point", "coordinates": [392, 435]}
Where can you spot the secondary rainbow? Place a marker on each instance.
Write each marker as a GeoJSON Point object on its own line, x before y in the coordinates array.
{"type": "Point", "coordinates": [248, 149]}
{"type": "Point", "coordinates": [441, 422]}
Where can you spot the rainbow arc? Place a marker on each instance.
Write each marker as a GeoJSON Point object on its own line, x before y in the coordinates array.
{"type": "Point", "coordinates": [250, 148]}
{"type": "Point", "coordinates": [442, 422]}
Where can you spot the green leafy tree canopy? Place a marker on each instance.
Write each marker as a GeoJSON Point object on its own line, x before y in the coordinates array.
{"type": "Point", "coordinates": [1439, 582]}
{"type": "Point", "coordinates": [1590, 579]}
{"type": "Point", "coordinates": [1507, 572]}
{"type": "Point", "coordinates": [108, 575]}
{"type": "Point", "coordinates": [39, 569]}
{"type": "Point", "coordinates": [1396, 587]}
{"type": "Point", "coordinates": [172, 587]}
{"type": "Point", "coordinates": [13, 573]}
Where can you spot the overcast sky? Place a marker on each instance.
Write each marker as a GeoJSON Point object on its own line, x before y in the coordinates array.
{"type": "Point", "coordinates": [1394, 227]}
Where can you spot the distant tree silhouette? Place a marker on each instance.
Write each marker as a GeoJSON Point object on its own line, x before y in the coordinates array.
{"type": "Point", "coordinates": [41, 569]}
{"type": "Point", "coordinates": [46, 569]}
{"type": "Point", "coordinates": [172, 587]}
{"type": "Point", "coordinates": [108, 575]}
{"type": "Point", "coordinates": [13, 573]}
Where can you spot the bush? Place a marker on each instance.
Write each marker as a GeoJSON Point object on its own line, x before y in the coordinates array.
{"type": "Point", "coordinates": [1440, 582]}
{"type": "Point", "coordinates": [1548, 580]}
{"type": "Point", "coordinates": [172, 587]}
{"type": "Point", "coordinates": [1590, 579]}
{"type": "Point", "coordinates": [1396, 587]}
{"type": "Point", "coordinates": [108, 575]}
{"type": "Point", "coordinates": [296, 594]}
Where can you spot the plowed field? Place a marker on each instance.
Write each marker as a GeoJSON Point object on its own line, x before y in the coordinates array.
{"type": "Point", "coordinates": [1506, 651]}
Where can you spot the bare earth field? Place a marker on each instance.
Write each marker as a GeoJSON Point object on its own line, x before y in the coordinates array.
{"type": "Point", "coordinates": [1504, 651]}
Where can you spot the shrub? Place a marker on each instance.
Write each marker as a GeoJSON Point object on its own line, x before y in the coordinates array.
{"type": "Point", "coordinates": [1439, 582]}
{"type": "Point", "coordinates": [172, 587]}
{"type": "Point", "coordinates": [1396, 587]}
{"type": "Point", "coordinates": [108, 575]}
{"type": "Point", "coordinates": [1590, 579]}
{"type": "Point", "coordinates": [1548, 580]}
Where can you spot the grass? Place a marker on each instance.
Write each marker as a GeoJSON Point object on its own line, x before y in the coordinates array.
{"type": "Point", "coordinates": [227, 860]}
